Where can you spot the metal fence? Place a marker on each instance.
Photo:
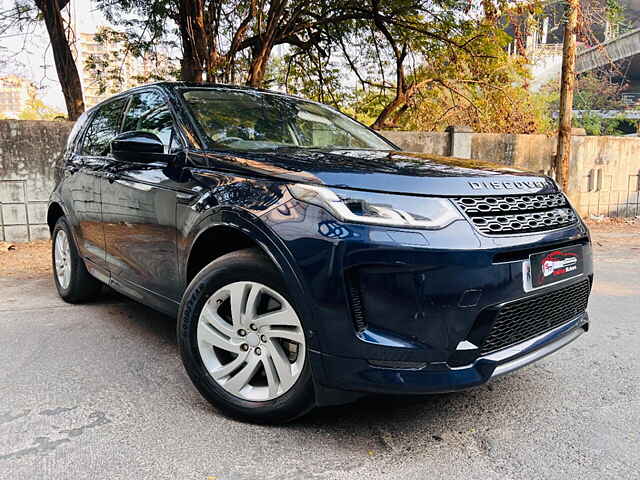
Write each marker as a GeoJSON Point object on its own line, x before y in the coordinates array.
{"type": "Point", "coordinates": [603, 197]}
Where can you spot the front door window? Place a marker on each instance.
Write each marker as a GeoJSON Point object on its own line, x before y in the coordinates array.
{"type": "Point", "coordinates": [148, 112]}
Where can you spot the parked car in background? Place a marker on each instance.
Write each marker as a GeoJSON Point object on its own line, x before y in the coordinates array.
{"type": "Point", "coordinates": [309, 261]}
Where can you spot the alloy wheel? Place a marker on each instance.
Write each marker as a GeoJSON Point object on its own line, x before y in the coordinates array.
{"type": "Point", "coordinates": [251, 341]}
{"type": "Point", "coordinates": [62, 255]}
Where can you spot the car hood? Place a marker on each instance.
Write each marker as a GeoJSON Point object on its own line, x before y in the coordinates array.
{"type": "Point", "coordinates": [384, 171]}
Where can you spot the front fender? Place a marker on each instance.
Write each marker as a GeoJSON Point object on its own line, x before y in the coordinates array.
{"type": "Point", "coordinates": [271, 245]}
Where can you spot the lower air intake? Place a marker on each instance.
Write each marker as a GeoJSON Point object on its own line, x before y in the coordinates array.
{"type": "Point", "coordinates": [523, 319]}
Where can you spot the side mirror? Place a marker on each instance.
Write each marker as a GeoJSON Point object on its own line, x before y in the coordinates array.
{"type": "Point", "coordinates": [138, 146]}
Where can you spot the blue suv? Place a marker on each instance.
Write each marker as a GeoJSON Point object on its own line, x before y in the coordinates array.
{"type": "Point", "coordinates": [307, 259]}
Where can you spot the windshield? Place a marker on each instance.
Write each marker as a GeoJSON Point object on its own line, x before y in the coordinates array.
{"type": "Point", "coordinates": [242, 120]}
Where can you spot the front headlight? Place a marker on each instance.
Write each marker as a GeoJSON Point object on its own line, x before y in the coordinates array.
{"type": "Point", "coordinates": [379, 208]}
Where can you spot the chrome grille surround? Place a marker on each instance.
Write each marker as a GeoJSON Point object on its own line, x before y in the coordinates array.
{"type": "Point", "coordinates": [511, 214]}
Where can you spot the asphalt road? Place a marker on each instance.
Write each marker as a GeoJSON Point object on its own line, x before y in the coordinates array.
{"type": "Point", "coordinates": [98, 392]}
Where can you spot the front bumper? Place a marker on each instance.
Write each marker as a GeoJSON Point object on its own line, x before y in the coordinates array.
{"type": "Point", "coordinates": [377, 300]}
{"type": "Point", "coordinates": [360, 376]}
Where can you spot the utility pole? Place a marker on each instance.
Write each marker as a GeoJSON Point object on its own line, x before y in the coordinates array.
{"type": "Point", "coordinates": [567, 84]}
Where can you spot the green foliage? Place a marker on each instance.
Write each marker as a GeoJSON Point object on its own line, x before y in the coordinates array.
{"type": "Point", "coordinates": [593, 91]}
{"type": "Point", "coordinates": [616, 16]}
{"type": "Point", "coordinates": [457, 74]}
{"type": "Point", "coordinates": [595, 95]}
{"type": "Point", "coordinates": [484, 89]}
{"type": "Point", "coordinates": [310, 76]}
{"type": "Point", "coordinates": [424, 64]}
{"type": "Point", "coordinates": [595, 124]}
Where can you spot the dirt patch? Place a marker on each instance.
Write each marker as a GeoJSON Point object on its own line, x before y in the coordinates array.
{"type": "Point", "coordinates": [613, 225]}
{"type": "Point", "coordinates": [616, 232]}
{"type": "Point", "coordinates": [25, 260]}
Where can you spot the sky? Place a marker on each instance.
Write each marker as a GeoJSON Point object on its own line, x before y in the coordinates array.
{"type": "Point", "coordinates": [33, 58]}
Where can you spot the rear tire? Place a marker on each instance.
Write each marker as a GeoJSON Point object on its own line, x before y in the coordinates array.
{"type": "Point", "coordinates": [74, 283]}
{"type": "Point", "coordinates": [237, 324]}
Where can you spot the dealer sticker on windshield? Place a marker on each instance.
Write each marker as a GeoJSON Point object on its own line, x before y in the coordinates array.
{"type": "Point", "coordinates": [555, 265]}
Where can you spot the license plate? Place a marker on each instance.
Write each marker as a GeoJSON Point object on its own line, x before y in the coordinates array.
{"type": "Point", "coordinates": [554, 266]}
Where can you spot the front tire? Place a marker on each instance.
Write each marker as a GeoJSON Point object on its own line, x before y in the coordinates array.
{"type": "Point", "coordinates": [242, 342]}
{"type": "Point", "coordinates": [74, 283]}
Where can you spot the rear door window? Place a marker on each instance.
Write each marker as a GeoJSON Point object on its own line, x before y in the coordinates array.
{"type": "Point", "coordinates": [104, 125]}
{"type": "Point", "coordinates": [72, 141]}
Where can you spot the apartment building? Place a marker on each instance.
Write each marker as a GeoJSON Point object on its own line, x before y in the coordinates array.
{"type": "Point", "coordinates": [15, 93]}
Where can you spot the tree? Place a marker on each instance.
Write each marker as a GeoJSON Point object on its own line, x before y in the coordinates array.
{"type": "Point", "coordinates": [209, 32]}
{"type": "Point", "coordinates": [597, 95]}
{"type": "Point", "coordinates": [226, 41]}
{"type": "Point", "coordinates": [206, 50]}
{"type": "Point", "coordinates": [563, 154]}
{"type": "Point", "coordinates": [595, 90]}
{"type": "Point", "coordinates": [65, 63]}
{"type": "Point", "coordinates": [492, 101]}
{"type": "Point", "coordinates": [598, 91]}
{"type": "Point", "coordinates": [120, 66]}
{"type": "Point", "coordinates": [418, 65]}
{"type": "Point", "coordinates": [27, 11]}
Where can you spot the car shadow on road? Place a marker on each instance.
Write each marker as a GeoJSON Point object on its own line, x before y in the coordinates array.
{"type": "Point", "coordinates": [405, 424]}
{"type": "Point", "coordinates": [146, 319]}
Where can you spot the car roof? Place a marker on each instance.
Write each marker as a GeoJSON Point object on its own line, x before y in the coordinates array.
{"type": "Point", "coordinates": [173, 86]}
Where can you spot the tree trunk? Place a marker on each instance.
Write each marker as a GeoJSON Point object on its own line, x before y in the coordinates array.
{"type": "Point", "coordinates": [400, 99]}
{"type": "Point", "coordinates": [190, 71]}
{"type": "Point", "coordinates": [563, 154]}
{"type": "Point", "coordinates": [382, 121]}
{"type": "Point", "coordinates": [194, 40]}
{"type": "Point", "coordinates": [259, 62]}
{"type": "Point", "coordinates": [261, 52]}
{"type": "Point", "coordinates": [65, 63]}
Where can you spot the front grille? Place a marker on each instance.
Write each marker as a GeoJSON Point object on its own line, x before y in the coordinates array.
{"type": "Point", "coordinates": [529, 317]}
{"type": "Point", "coordinates": [500, 215]}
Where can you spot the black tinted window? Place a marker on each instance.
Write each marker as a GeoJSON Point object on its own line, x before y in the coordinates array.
{"type": "Point", "coordinates": [105, 125]}
{"type": "Point", "coordinates": [149, 112]}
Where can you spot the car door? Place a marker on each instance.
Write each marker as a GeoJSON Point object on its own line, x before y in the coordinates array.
{"type": "Point", "coordinates": [139, 209]}
{"type": "Point", "coordinates": [81, 191]}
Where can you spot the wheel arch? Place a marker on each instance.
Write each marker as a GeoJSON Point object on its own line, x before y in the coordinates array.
{"type": "Point", "coordinates": [214, 242]}
{"type": "Point", "coordinates": [54, 212]}
{"type": "Point", "coordinates": [228, 231]}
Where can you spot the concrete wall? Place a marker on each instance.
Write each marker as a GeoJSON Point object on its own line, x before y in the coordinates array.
{"type": "Point", "coordinates": [531, 152]}
{"type": "Point", "coordinates": [431, 142]}
{"type": "Point", "coordinates": [605, 171]}
{"type": "Point", "coordinates": [27, 152]}
{"type": "Point", "coordinates": [608, 177]}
